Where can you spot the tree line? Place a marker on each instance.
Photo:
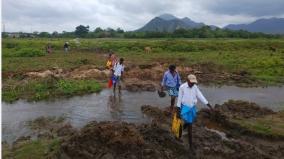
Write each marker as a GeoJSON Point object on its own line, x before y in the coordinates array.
{"type": "Point", "coordinates": [82, 31]}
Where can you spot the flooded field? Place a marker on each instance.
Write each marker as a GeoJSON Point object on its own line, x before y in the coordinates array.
{"type": "Point", "coordinates": [125, 107]}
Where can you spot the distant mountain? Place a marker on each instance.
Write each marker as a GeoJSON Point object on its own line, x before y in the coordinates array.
{"type": "Point", "coordinates": [269, 26]}
{"type": "Point", "coordinates": [169, 23]}
{"type": "Point", "coordinates": [160, 25]}
{"type": "Point", "coordinates": [191, 23]}
{"type": "Point", "coordinates": [167, 17]}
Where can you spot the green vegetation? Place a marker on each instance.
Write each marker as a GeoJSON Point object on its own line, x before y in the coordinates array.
{"type": "Point", "coordinates": [270, 125]}
{"type": "Point", "coordinates": [263, 59]}
{"type": "Point", "coordinates": [25, 52]}
{"type": "Point", "coordinates": [46, 88]}
{"type": "Point", "coordinates": [38, 149]}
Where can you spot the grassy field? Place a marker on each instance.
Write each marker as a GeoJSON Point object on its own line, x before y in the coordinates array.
{"type": "Point", "coordinates": [262, 59]}
{"type": "Point", "coordinates": [34, 90]}
{"type": "Point", "coordinates": [39, 149]}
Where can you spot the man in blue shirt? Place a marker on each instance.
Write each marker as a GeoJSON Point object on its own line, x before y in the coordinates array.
{"type": "Point", "coordinates": [171, 82]}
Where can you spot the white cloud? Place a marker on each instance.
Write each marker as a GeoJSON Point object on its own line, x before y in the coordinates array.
{"type": "Point", "coordinates": [51, 15]}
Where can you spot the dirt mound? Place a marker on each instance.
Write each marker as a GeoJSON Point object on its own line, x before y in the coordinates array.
{"type": "Point", "coordinates": [122, 140]}
{"type": "Point", "coordinates": [55, 72]}
{"type": "Point", "coordinates": [134, 85]}
{"type": "Point", "coordinates": [241, 118]}
{"type": "Point", "coordinates": [209, 144]}
{"type": "Point", "coordinates": [156, 113]}
{"type": "Point", "coordinates": [97, 140]}
{"type": "Point", "coordinates": [207, 73]}
{"type": "Point", "coordinates": [85, 73]}
{"type": "Point", "coordinates": [242, 109]}
{"type": "Point", "coordinates": [51, 127]}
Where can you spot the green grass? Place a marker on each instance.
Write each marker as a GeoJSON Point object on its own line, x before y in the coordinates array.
{"type": "Point", "coordinates": [23, 52]}
{"type": "Point", "coordinates": [35, 90]}
{"type": "Point", "coordinates": [38, 149]}
{"type": "Point", "coordinates": [254, 55]}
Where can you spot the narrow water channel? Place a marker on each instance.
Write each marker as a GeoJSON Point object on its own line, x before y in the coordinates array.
{"type": "Point", "coordinates": [80, 110]}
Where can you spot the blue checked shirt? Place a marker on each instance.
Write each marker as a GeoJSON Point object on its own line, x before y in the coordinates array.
{"type": "Point", "coordinates": [170, 81]}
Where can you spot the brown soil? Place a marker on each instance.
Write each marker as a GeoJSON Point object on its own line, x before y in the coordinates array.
{"type": "Point", "coordinates": [210, 145]}
{"type": "Point", "coordinates": [122, 140]}
{"type": "Point", "coordinates": [242, 109]}
{"type": "Point", "coordinates": [158, 115]}
{"type": "Point", "coordinates": [224, 118]}
{"type": "Point", "coordinates": [149, 75]}
{"type": "Point", "coordinates": [134, 85]}
{"type": "Point", "coordinates": [111, 140]}
{"type": "Point", "coordinates": [51, 127]}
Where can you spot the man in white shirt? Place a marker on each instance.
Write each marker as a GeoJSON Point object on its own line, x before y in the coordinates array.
{"type": "Point", "coordinates": [118, 72]}
{"type": "Point", "coordinates": [186, 104]}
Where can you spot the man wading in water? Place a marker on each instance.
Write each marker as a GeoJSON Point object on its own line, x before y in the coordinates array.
{"type": "Point", "coordinates": [171, 81]}
{"type": "Point", "coordinates": [118, 73]}
{"type": "Point", "coordinates": [186, 104]}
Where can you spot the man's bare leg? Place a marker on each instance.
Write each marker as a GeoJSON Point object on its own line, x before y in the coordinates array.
{"type": "Point", "coordinates": [172, 103]}
{"type": "Point", "coordinates": [114, 86]}
{"type": "Point", "coordinates": [190, 136]}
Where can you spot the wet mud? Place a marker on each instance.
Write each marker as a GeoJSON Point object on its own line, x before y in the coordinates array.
{"type": "Point", "coordinates": [114, 139]}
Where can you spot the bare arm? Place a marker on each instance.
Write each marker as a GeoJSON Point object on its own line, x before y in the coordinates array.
{"type": "Point", "coordinates": [203, 99]}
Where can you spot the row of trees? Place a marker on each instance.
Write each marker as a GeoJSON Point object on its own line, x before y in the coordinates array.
{"type": "Point", "coordinates": [84, 32]}
{"type": "Point", "coordinates": [204, 32]}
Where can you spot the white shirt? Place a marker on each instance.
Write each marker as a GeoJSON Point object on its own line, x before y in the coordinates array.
{"type": "Point", "coordinates": [188, 96]}
{"type": "Point", "coordinates": [118, 68]}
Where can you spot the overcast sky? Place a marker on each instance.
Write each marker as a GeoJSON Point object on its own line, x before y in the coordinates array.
{"type": "Point", "coordinates": [65, 15]}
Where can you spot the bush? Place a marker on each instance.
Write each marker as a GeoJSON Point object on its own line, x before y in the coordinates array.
{"type": "Point", "coordinates": [28, 52]}
{"type": "Point", "coordinates": [11, 45]}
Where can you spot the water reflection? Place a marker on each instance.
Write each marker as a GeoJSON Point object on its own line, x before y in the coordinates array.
{"type": "Point", "coordinates": [115, 104]}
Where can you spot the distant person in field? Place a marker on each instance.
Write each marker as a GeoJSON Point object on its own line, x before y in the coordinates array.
{"type": "Point", "coordinates": [66, 47]}
{"type": "Point", "coordinates": [48, 48]}
{"type": "Point", "coordinates": [171, 82]}
{"type": "Point", "coordinates": [186, 104]}
{"type": "Point", "coordinates": [118, 74]}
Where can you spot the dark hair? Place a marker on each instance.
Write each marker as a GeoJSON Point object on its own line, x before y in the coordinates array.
{"type": "Point", "coordinates": [110, 54]}
{"type": "Point", "coordinates": [121, 59]}
{"type": "Point", "coordinates": [172, 67]}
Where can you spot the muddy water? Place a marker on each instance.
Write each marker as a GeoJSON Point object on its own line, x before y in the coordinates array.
{"type": "Point", "coordinates": [124, 107]}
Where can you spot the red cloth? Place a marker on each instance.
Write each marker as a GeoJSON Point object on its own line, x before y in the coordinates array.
{"type": "Point", "coordinates": [109, 83]}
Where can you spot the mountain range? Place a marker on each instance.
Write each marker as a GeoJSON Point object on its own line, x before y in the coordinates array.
{"type": "Point", "coordinates": [169, 23]}
{"type": "Point", "coordinates": [269, 26]}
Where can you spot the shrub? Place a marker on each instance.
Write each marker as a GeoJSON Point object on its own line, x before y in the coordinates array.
{"type": "Point", "coordinates": [28, 52]}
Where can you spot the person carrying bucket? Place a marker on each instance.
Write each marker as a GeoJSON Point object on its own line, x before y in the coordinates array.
{"type": "Point", "coordinates": [171, 82]}
{"type": "Point", "coordinates": [186, 104]}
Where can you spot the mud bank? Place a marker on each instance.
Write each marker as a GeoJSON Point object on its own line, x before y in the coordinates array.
{"type": "Point", "coordinates": [154, 140]}
{"type": "Point", "coordinates": [240, 141]}
{"type": "Point", "coordinates": [244, 118]}
{"type": "Point", "coordinates": [217, 134]}
{"type": "Point", "coordinates": [124, 140]}
{"type": "Point", "coordinates": [207, 73]}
